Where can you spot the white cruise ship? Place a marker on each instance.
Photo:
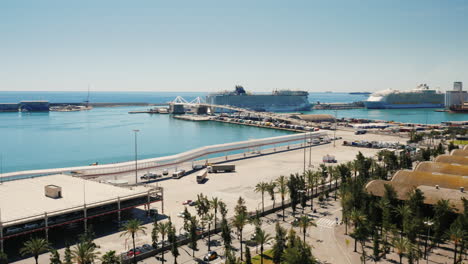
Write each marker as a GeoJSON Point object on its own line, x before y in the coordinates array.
{"type": "Point", "coordinates": [421, 97]}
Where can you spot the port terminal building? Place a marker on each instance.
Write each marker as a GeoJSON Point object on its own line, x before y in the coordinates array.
{"type": "Point", "coordinates": [39, 205]}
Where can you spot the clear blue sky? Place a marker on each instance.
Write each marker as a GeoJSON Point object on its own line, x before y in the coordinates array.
{"type": "Point", "coordinates": [153, 45]}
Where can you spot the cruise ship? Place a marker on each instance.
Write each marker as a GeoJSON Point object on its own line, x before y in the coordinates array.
{"type": "Point", "coordinates": [421, 97]}
{"type": "Point", "coordinates": [277, 101]}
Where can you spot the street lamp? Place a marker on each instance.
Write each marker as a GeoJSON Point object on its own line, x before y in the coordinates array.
{"type": "Point", "coordinates": [428, 223]}
{"type": "Point", "coordinates": [136, 156]}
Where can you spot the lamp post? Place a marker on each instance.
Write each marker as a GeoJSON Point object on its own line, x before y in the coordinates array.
{"type": "Point", "coordinates": [428, 223]}
{"type": "Point", "coordinates": [334, 131]}
{"type": "Point", "coordinates": [136, 156]}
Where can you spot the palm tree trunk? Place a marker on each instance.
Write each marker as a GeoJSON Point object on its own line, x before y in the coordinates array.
{"type": "Point", "coordinates": [215, 218]}
{"type": "Point", "coordinates": [261, 254]}
{"type": "Point", "coordinates": [401, 256]}
{"type": "Point", "coordinates": [263, 205]}
{"type": "Point", "coordinates": [134, 255]}
{"type": "Point", "coordinates": [240, 242]}
{"type": "Point", "coordinates": [304, 234]}
{"type": "Point", "coordinates": [36, 258]}
{"type": "Point", "coordinates": [162, 245]}
{"type": "Point", "coordinates": [209, 238]}
{"type": "Point", "coordinates": [282, 206]}
{"type": "Point", "coordinates": [455, 254]}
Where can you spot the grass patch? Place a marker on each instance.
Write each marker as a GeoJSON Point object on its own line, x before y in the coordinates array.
{"type": "Point", "coordinates": [267, 257]}
{"type": "Point", "coordinates": [460, 142]}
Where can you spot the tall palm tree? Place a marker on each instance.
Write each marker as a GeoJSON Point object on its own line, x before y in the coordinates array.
{"type": "Point", "coordinates": [164, 228]}
{"type": "Point", "coordinates": [34, 246]}
{"type": "Point", "coordinates": [304, 223]}
{"type": "Point", "coordinates": [84, 252]}
{"type": "Point", "coordinates": [214, 204]}
{"type": "Point", "coordinates": [282, 189]}
{"type": "Point", "coordinates": [110, 258]}
{"type": "Point", "coordinates": [262, 238]}
{"type": "Point", "coordinates": [456, 235]}
{"type": "Point", "coordinates": [404, 211]}
{"type": "Point", "coordinates": [358, 218]}
{"type": "Point", "coordinates": [132, 228]}
{"type": "Point", "coordinates": [240, 220]}
{"type": "Point", "coordinates": [336, 176]}
{"type": "Point", "coordinates": [208, 219]}
{"type": "Point", "coordinates": [401, 245]}
{"type": "Point", "coordinates": [271, 189]}
{"type": "Point", "coordinates": [262, 187]}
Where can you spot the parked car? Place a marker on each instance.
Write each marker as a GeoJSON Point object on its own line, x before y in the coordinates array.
{"type": "Point", "coordinates": [181, 214]}
{"type": "Point", "coordinates": [192, 203]}
{"type": "Point", "coordinates": [165, 172]}
{"type": "Point", "coordinates": [153, 212]}
{"type": "Point", "coordinates": [147, 247]}
{"type": "Point", "coordinates": [186, 202]}
{"type": "Point", "coordinates": [137, 252]}
{"type": "Point", "coordinates": [212, 255]}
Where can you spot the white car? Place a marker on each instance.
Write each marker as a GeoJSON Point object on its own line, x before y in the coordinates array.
{"type": "Point", "coordinates": [181, 214]}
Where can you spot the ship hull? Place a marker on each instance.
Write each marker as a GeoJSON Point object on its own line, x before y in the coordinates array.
{"type": "Point", "coordinates": [383, 105]}
{"type": "Point", "coordinates": [263, 103]}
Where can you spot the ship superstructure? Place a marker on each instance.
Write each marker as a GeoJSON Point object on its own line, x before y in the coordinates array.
{"type": "Point", "coordinates": [421, 97]}
{"type": "Point", "coordinates": [277, 101]}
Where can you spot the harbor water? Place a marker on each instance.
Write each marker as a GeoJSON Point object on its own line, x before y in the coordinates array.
{"type": "Point", "coordinates": [104, 135]}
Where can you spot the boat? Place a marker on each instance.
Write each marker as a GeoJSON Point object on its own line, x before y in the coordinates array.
{"type": "Point", "coordinates": [463, 108]}
{"type": "Point", "coordinates": [277, 101]}
{"type": "Point", "coordinates": [360, 93]}
{"type": "Point", "coordinates": [421, 97]}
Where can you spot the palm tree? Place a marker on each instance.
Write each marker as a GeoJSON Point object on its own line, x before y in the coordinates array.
{"type": "Point", "coordinates": [132, 228]}
{"type": "Point", "coordinates": [358, 218]}
{"type": "Point", "coordinates": [214, 203]}
{"type": "Point", "coordinates": [208, 219]}
{"type": "Point", "coordinates": [262, 187]}
{"type": "Point", "coordinates": [404, 211]}
{"type": "Point", "coordinates": [456, 235]}
{"type": "Point", "coordinates": [34, 246]}
{"type": "Point", "coordinates": [271, 188]}
{"type": "Point", "coordinates": [262, 238]}
{"type": "Point", "coordinates": [304, 223]}
{"type": "Point", "coordinates": [240, 220]}
{"type": "Point", "coordinates": [110, 258]}
{"type": "Point", "coordinates": [84, 252]}
{"type": "Point", "coordinates": [336, 176]}
{"type": "Point", "coordinates": [401, 245]}
{"type": "Point", "coordinates": [164, 228]}
{"type": "Point", "coordinates": [282, 189]}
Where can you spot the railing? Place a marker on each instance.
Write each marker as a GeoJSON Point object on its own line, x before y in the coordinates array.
{"type": "Point", "coordinates": [167, 161]}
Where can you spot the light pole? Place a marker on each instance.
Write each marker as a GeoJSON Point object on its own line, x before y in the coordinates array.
{"type": "Point", "coordinates": [334, 131]}
{"type": "Point", "coordinates": [428, 223]}
{"type": "Point", "coordinates": [305, 148]}
{"type": "Point", "coordinates": [136, 156]}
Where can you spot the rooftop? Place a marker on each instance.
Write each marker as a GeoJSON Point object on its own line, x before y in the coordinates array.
{"type": "Point", "coordinates": [26, 198]}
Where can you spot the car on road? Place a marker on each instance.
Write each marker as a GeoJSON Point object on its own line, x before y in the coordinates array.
{"type": "Point", "coordinates": [212, 255]}
{"type": "Point", "coordinates": [181, 214]}
{"type": "Point", "coordinates": [186, 202]}
{"type": "Point", "coordinates": [147, 247]}
{"type": "Point", "coordinates": [192, 203]}
{"type": "Point", "coordinates": [137, 252]}
{"type": "Point", "coordinates": [165, 172]}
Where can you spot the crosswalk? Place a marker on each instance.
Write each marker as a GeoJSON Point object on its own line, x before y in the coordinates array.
{"type": "Point", "coordinates": [326, 222]}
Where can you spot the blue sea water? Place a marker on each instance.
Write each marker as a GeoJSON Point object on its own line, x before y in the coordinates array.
{"type": "Point", "coordinates": [62, 139]}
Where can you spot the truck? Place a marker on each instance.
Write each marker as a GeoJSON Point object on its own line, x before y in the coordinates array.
{"type": "Point", "coordinates": [221, 167]}
{"type": "Point", "coordinates": [201, 176]}
{"type": "Point", "coordinates": [329, 159]}
{"type": "Point", "coordinates": [178, 174]}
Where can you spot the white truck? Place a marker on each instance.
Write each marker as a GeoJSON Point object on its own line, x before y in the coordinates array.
{"type": "Point", "coordinates": [201, 176]}
{"type": "Point", "coordinates": [221, 167]}
{"type": "Point", "coordinates": [178, 174]}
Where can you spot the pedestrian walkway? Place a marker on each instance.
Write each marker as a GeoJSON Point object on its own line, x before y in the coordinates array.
{"type": "Point", "coordinates": [326, 222]}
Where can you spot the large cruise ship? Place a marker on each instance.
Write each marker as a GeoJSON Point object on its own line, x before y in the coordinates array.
{"type": "Point", "coordinates": [277, 101]}
{"type": "Point", "coordinates": [421, 97]}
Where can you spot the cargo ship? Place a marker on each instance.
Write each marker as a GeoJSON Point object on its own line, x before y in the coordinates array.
{"type": "Point", "coordinates": [421, 97]}
{"type": "Point", "coordinates": [277, 101]}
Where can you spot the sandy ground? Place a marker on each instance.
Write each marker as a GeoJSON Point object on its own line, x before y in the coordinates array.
{"type": "Point", "coordinates": [230, 186]}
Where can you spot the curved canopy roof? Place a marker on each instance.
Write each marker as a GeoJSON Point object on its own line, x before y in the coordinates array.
{"type": "Point", "coordinates": [440, 167]}
{"type": "Point", "coordinates": [459, 152]}
{"type": "Point", "coordinates": [417, 178]}
{"type": "Point", "coordinates": [452, 159]}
